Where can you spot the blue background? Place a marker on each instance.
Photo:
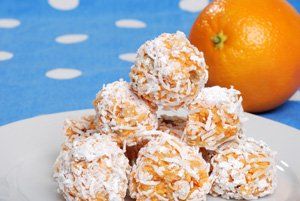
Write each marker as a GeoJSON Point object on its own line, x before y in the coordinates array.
{"type": "Point", "coordinates": [25, 91]}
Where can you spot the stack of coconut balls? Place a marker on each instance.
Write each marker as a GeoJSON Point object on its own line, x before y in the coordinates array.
{"type": "Point", "coordinates": [133, 143]}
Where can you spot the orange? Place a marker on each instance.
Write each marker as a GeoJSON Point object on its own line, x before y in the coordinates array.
{"type": "Point", "coordinates": [253, 45]}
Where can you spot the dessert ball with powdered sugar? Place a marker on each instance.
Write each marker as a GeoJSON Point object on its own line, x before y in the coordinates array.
{"type": "Point", "coordinates": [215, 117]}
{"type": "Point", "coordinates": [91, 167]}
{"type": "Point", "coordinates": [243, 170]}
{"type": "Point", "coordinates": [122, 114]}
{"type": "Point", "coordinates": [168, 169]}
{"type": "Point", "coordinates": [169, 71]}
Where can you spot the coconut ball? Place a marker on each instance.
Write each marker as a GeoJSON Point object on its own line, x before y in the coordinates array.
{"type": "Point", "coordinates": [169, 71]}
{"type": "Point", "coordinates": [121, 114]}
{"type": "Point", "coordinates": [168, 169]}
{"type": "Point", "coordinates": [82, 127]}
{"type": "Point", "coordinates": [243, 170]}
{"type": "Point", "coordinates": [91, 168]}
{"type": "Point", "coordinates": [215, 117]}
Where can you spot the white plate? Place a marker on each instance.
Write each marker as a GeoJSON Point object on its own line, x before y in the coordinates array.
{"type": "Point", "coordinates": [29, 147]}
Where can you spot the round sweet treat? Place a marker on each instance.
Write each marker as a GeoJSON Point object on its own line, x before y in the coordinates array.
{"type": "Point", "coordinates": [91, 168]}
{"type": "Point", "coordinates": [243, 170]}
{"type": "Point", "coordinates": [121, 114]}
{"type": "Point", "coordinates": [168, 169]}
{"type": "Point", "coordinates": [169, 71]}
{"type": "Point", "coordinates": [174, 125]}
{"type": "Point", "coordinates": [85, 126]}
{"type": "Point", "coordinates": [215, 117]}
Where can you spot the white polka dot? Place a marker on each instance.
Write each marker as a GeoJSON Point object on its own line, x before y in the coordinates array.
{"type": "Point", "coordinates": [296, 96]}
{"type": "Point", "coordinates": [5, 55]}
{"type": "Point", "coordinates": [63, 73]}
{"type": "Point", "coordinates": [71, 38]}
{"type": "Point", "coordinates": [130, 23]}
{"type": "Point", "coordinates": [130, 57]}
{"type": "Point", "coordinates": [9, 23]}
{"type": "Point", "coordinates": [64, 4]}
{"type": "Point", "coordinates": [193, 5]}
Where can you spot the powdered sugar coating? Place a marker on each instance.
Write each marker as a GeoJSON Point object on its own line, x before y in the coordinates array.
{"type": "Point", "coordinates": [215, 117]}
{"type": "Point", "coordinates": [168, 169]}
{"type": "Point", "coordinates": [121, 114]}
{"type": "Point", "coordinates": [169, 71]}
{"type": "Point", "coordinates": [244, 170]}
{"type": "Point", "coordinates": [91, 167]}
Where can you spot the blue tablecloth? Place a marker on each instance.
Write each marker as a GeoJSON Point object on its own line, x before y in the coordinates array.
{"type": "Point", "coordinates": [56, 54]}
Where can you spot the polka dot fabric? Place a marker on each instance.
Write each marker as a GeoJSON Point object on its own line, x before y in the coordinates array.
{"type": "Point", "coordinates": [55, 54]}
